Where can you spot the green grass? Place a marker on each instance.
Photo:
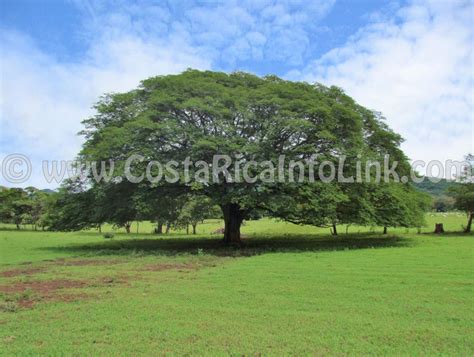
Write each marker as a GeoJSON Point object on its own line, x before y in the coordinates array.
{"type": "Point", "coordinates": [291, 290]}
{"type": "Point", "coordinates": [453, 221]}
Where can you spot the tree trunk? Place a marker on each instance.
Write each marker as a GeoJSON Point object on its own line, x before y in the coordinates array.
{"type": "Point", "coordinates": [100, 228]}
{"type": "Point", "coordinates": [385, 230]}
{"type": "Point", "coordinates": [439, 228]}
{"type": "Point", "coordinates": [168, 226]}
{"type": "Point", "coordinates": [187, 229]}
{"type": "Point", "coordinates": [159, 228]}
{"type": "Point", "coordinates": [233, 217]}
{"type": "Point", "coordinates": [138, 226]}
{"type": "Point", "coordinates": [127, 227]}
{"type": "Point", "coordinates": [469, 224]}
{"type": "Point", "coordinates": [194, 228]}
{"type": "Point", "coordinates": [334, 229]}
{"type": "Point", "coordinates": [17, 226]}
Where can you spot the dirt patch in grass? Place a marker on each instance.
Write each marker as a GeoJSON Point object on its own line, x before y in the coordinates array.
{"type": "Point", "coordinates": [30, 302]}
{"type": "Point", "coordinates": [42, 287]}
{"type": "Point", "coordinates": [85, 262]}
{"type": "Point", "coordinates": [27, 294]}
{"type": "Point", "coordinates": [17, 272]}
{"type": "Point", "coordinates": [171, 266]}
{"type": "Point", "coordinates": [58, 262]}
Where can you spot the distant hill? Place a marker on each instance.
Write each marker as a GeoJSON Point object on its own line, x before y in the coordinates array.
{"type": "Point", "coordinates": [435, 189]}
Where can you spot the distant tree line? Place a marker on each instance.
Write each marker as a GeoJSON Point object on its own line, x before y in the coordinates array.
{"type": "Point", "coordinates": [440, 191]}
{"type": "Point", "coordinates": [448, 195]}
{"type": "Point", "coordinates": [73, 208]}
{"type": "Point", "coordinates": [78, 208]}
{"type": "Point", "coordinates": [28, 206]}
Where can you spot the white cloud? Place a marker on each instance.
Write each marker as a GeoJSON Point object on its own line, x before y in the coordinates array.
{"type": "Point", "coordinates": [225, 31]}
{"type": "Point", "coordinates": [44, 101]}
{"type": "Point", "coordinates": [417, 68]}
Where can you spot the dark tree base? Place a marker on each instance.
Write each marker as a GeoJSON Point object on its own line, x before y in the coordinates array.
{"type": "Point", "coordinates": [439, 228]}
{"type": "Point", "coordinates": [233, 217]}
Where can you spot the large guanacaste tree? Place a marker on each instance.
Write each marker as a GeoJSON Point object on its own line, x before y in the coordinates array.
{"type": "Point", "coordinates": [200, 114]}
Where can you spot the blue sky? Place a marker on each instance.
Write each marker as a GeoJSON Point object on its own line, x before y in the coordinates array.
{"type": "Point", "coordinates": [412, 60]}
{"type": "Point", "coordinates": [60, 27]}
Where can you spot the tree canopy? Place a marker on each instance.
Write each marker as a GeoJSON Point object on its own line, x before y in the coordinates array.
{"type": "Point", "coordinates": [197, 115]}
{"type": "Point", "coordinates": [464, 192]}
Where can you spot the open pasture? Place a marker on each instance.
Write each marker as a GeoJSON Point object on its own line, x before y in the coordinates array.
{"type": "Point", "coordinates": [303, 292]}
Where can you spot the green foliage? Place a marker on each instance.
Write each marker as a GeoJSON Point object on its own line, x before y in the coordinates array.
{"type": "Point", "coordinates": [78, 207]}
{"type": "Point", "coordinates": [399, 206]}
{"type": "Point", "coordinates": [443, 203]}
{"type": "Point", "coordinates": [436, 189]}
{"type": "Point", "coordinates": [464, 197]}
{"type": "Point", "coordinates": [200, 114]}
{"type": "Point", "coordinates": [464, 193]}
{"type": "Point", "coordinates": [195, 210]}
{"type": "Point", "coordinates": [26, 206]}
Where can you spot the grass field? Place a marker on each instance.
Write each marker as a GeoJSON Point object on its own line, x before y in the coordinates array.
{"type": "Point", "coordinates": [291, 290]}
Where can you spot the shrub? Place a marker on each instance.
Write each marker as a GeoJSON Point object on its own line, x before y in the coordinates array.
{"type": "Point", "coordinates": [108, 235]}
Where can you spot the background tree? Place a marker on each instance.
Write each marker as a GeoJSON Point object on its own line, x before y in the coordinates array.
{"type": "Point", "coordinates": [464, 193]}
{"type": "Point", "coordinates": [77, 207]}
{"type": "Point", "coordinates": [118, 204]}
{"type": "Point", "coordinates": [196, 210]}
{"type": "Point", "coordinates": [25, 206]}
{"type": "Point", "coordinates": [398, 205]}
{"type": "Point", "coordinates": [443, 203]}
{"type": "Point", "coordinates": [355, 208]}
{"type": "Point", "coordinates": [46, 217]}
{"type": "Point", "coordinates": [16, 207]}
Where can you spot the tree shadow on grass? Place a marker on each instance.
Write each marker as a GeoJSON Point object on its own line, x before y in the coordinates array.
{"type": "Point", "coordinates": [449, 234]}
{"type": "Point", "coordinates": [214, 245]}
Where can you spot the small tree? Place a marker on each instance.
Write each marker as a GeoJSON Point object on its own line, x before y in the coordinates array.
{"type": "Point", "coordinates": [47, 216]}
{"type": "Point", "coordinates": [443, 203]}
{"type": "Point", "coordinates": [117, 204]}
{"type": "Point", "coordinates": [40, 202]}
{"type": "Point", "coordinates": [159, 205]}
{"type": "Point", "coordinates": [464, 193]}
{"type": "Point", "coordinates": [15, 206]}
{"type": "Point", "coordinates": [196, 209]}
{"type": "Point", "coordinates": [398, 205]}
{"type": "Point", "coordinates": [76, 207]}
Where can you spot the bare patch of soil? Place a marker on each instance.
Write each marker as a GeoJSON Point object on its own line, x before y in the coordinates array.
{"type": "Point", "coordinates": [171, 266]}
{"type": "Point", "coordinates": [58, 262]}
{"type": "Point", "coordinates": [17, 272]}
{"type": "Point", "coordinates": [30, 302]}
{"type": "Point", "coordinates": [41, 287]}
{"type": "Point", "coordinates": [27, 294]}
{"type": "Point", "coordinates": [84, 262]}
